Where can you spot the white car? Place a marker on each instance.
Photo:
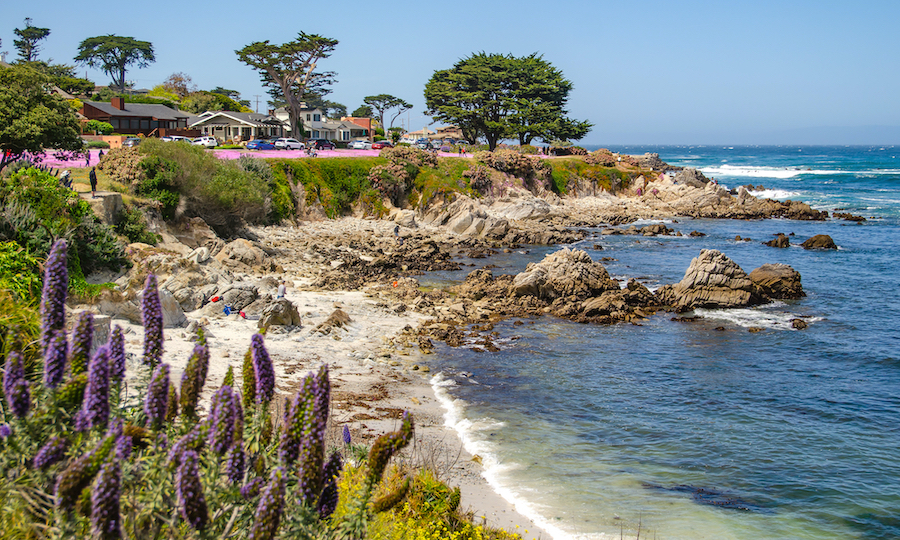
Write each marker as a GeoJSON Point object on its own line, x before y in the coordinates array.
{"type": "Point", "coordinates": [288, 144]}
{"type": "Point", "coordinates": [360, 145]}
{"type": "Point", "coordinates": [175, 138]}
{"type": "Point", "coordinates": [209, 142]}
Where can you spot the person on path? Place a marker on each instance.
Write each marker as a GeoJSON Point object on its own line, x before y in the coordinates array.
{"type": "Point", "coordinates": [281, 290]}
{"type": "Point", "coordinates": [87, 158]}
{"type": "Point", "coordinates": [100, 155]}
{"type": "Point", "coordinates": [93, 177]}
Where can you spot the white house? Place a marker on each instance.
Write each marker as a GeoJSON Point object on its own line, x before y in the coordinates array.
{"type": "Point", "coordinates": [239, 126]}
{"type": "Point", "coordinates": [317, 126]}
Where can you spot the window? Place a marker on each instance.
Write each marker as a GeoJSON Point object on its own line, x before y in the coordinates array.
{"type": "Point", "coordinates": [316, 117]}
{"type": "Point", "coordinates": [307, 117]}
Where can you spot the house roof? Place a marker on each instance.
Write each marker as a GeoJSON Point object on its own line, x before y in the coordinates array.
{"type": "Point", "coordinates": [230, 117]}
{"type": "Point", "coordinates": [157, 112]}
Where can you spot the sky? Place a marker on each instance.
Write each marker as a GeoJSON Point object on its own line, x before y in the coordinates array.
{"type": "Point", "coordinates": [644, 71]}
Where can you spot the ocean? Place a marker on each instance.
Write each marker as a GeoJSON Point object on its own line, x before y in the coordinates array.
{"type": "Point", "coordinates": [704, 430]}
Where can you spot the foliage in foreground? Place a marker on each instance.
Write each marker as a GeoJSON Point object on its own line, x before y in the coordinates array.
{"type": "Point", "coordinates": [82, 457]}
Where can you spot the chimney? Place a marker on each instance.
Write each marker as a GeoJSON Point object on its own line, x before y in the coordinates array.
{"type": "Point", "coordinates": [118, 103]}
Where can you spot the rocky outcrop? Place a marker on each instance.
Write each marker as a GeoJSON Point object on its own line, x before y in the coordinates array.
{"type": "Point", "coordinates": [242, 254]}
{"type": "Point", "coordinates": [780, 241]}
{"type": "Point", "coordinates": [711, 281]}
{"type": "Point", "coordinates": [280, 312]}
{"type": "Point", "coordinates": [107, 206]}
{"type": "Point", "coordinates": [651, 161]}
{"type": "Point", "coordinates": [819, 241]}
{"type": "Point", "coordinates": [691, 177]}
{"type": "Point", "coordinates": [565, 273]}
{"type": "Point", "coordinates": [777, 282]}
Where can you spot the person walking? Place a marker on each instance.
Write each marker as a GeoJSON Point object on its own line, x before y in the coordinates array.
{"type": "Point", "coordinates": [87, 158]}
{"type": "Point", "coordinates": [100, 155]}
{"type": "Point", "coordinates": [281, 290]}
{"type": "Point", "coordinates": [93, 177]}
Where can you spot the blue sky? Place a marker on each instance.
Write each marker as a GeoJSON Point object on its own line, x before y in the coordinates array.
{"type": "Point", "coordinates": [644, 72]}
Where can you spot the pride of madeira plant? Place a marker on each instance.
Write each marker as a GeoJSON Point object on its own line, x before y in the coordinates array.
{"type": "Point", "coordinates": [81, 458]}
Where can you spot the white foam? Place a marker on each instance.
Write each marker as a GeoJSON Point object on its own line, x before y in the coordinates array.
{"type": "Point", "coordinates": [762, 317]}
{"type": "Point", "coordinates": [774, 194]}
{"type": "Point", "coordinates": [454, 418]}
{"type": "Point", "coordinates": [784, 173]}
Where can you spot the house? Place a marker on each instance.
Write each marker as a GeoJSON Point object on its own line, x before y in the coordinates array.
{"type": "Point", "coordinates": [239, 126]}
{"type": "Point", "coordinates": [317, 126]}
{"type": "Point", "coordinates": [138, 118]}
{"type": "Point", "coordinates": [364, 123]}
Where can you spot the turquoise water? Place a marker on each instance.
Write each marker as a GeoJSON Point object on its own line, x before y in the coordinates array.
{"type": "Point", "coordinates": [685, 431]}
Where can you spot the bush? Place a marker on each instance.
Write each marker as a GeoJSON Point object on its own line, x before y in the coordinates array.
{"type": "Point", "coordinates": [97, 144]}
{"type": "Point", "coordinates": [158, 471]}
{"type": "Point", "coordinates": [159, 183]}
{"type": "Point", "coordinates": [132, 224]}
{"type": "Point", "coordinates": [123, 165]}
{"type": "Point", "coordinates": [601, 157]}
{"type": "Point", "coordinates": [534, 171]}
{"type": "Point", "coordinates": [334, 183]}
{"type": "Point", "coordinates": [98, 127]}
{"type": "Point", "coordinates": [19, 273]}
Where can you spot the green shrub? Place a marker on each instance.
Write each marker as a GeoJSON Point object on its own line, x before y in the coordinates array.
{"type": "Point", "coordinates": [573, 171]}
{"type": "Point", "coordinates": [98, 127]}
{"type": "Point", "coordinates": [132, 224]}
{"type": "Point", "coordinates": [160, 183]}
{"type": "Point", "coordinates": [20, 273]}
{"type": "Point", "coordinates": [97, 144]}
{"type": "Point", "coordinates": [123, 165]}
{"type": "Point", "coordinates": [334, 183]}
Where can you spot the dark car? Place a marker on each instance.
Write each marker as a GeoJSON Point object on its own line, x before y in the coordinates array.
{"type": "Point", "coordinates": [131, 141]}
{"type": "Point", "coordinates": [320, 144]}
{"type": "Point", "coordinates": [378, 145]}
{"type": "Point", "coordinates": [260, 144]}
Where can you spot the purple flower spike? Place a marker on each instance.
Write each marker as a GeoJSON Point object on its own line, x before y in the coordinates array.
{"type": "Point", "coordinates": [190, 493]}
{"type": "Point", "coordinates": [56, 287]}
{"type": "Point", "coordinates": [82, 338]}
{"type": "Point", "coordinates": [55, 358]}
{"type": "Point", "coordinates": [221, 433]}
{"type": "Point", "coordinates": [15, 370]}
{"type": "Point", "coordinates": [52, 452]}
{"type": "Point", "coordinates": [235, 463]}
{"type": "Point", "coordinates": [191, 381]}
{"type": "Point", "coordinates": [95, 407]}
{"type": "Point", "coordinates": [19, 398]}
{"type": "Point", "coordinates": [156, 402]}
{"type": "Point", "coordinates": [123, 447]}
{"type": "Point", "coordinates": [5, 431]}
{"type": "Point", "coordinates": [251, 488]}
{"type": "Point", "coordinates": [238, 413]}
{"type": "Point", "coordinates": [329, 499]}
{"type": "Point", "coordinates": [265, 373]}
{"type": "Point", "coordinates": [316, 393]}
{"type": "Point", "coordinates": [151, 315]}
{"type": "Point", "coordinates": [116, 354]}
{"type": "Point", "coordinates": [105, 520]}
{"type": "Point", "coordinates": [270, 508]}
{"type": "Point", "coordinates": [346, 434]}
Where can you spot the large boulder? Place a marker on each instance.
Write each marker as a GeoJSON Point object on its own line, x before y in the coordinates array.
{"type": "Point", "coordinates": [819, 241]}
{"type": "Point", "coordinates": [240, 295]}
{"type": "Point", "coordinates": [777, 282]}
{"type": "Point", "coordinates": [562, 274]}
{"type": "Point", "coordinates": [780, 241]}
{"type": "Point", "coordinates": [691, 177]}
{"type": "Point", "coordinates": [241, 252]}
{"type": "Point", "coordinates": [281, 312]}
{"type": "Point", "coordinates": [711, 281]}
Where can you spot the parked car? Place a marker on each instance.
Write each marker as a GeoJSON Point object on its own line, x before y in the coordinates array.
{"type": "Point", "coordinates": [360, 145]}
{"type": "Point", "coordinates": [175, 138]}
{"type": "Point", "coordinates": [207, 141]}
{"type": "Point", "coordinates": [423, 144]}
{"type": "Point", "coordinates": [131, 141]}
{"type": "Point", "coordinates": [288, 144]}
{"type": "Point", "coordinates": [378, 145]}
{"type": "Point", "coordinates": [260, 144]}
{"type": "Point", "coordinates": [320, 144]}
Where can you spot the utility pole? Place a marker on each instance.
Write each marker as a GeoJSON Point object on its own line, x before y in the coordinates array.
{"type": "Point", "coordinates": [257, 101]}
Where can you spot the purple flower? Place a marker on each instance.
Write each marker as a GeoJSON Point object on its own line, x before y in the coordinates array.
{"type": "Point", "coordinates": [262, 366]}
{"type": "Point", "coordinates": [191, 384]}
{"type": "Point", "coordinates": [329, 499]}
{"type": "Point", "coordinates": [19, 398]}
{"type": "Point", "coordinates": [15, 370]}
{"type": "Point", "coordinates": [151, 315]}
{"type": "Point", "coordinates": [386, 446]}
{"type": "Point", "coordinates": [271, 505]}
{"type": "Point", "coordinates": [238, 418]}
{"type": "Point", "coordinates": [190, 442]}
{"type": "Point", "coordinates": [123, 447]}
{"type": "Point", "coordinates": [251, 488]}
{"type": "Point", "coordinates": [52, 452]}
{"type": "Point", "coordinates": [78, 475]}
{"type": "Point", "coordinates": [235, 462]}
{"type": "Point", "coordinates": [56, 287]}
{"type": "Point", "coordinates": [156, 401]}
{"type": "Point", "coordinates": [95, 407]}
{"type": "Point", "coordinates": [316, 392]}
{"type": "Point", "coordinates": [221, 433]}
{"type": "Point", "coordinates": [5, 431]}
{"type": "Point", "coordinates": [346, 434]}
{"type": "Point", "coordinates": [172, 404]}
{"type": "Point", "coordinates": [116, 354]}
{"type": "Point", "coordinates": [82, 338]}
{"type": "Point", "coordinates": [105, 520]}
{"type": "Point", "coordinates": [190, 493]}
{"type": "Point", "coordinates": [55, 354]}
{"type": "Point", "coordinates": [289, 445]}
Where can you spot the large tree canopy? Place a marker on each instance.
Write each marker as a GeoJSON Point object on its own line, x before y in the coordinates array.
{"type": "Point", "coordinates": [32, 119]}
{"type": "Point", "coordinates": [383, 103]}
{"type": "Point", "coordinates": [291, 69]}
{"type": "Point", "coordinates": [27, 44]}
{"type": "Point", "coordinates": [500, 96]}
{"type": "Point", "coordinates": [113, 54]}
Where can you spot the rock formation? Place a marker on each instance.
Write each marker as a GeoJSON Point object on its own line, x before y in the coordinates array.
{"type": "Point", "coordinates": [819, 241]}
{"type": "Point", "coordinates": [777, 282]}
{"type": "Point", "coordinates": [711, 281]}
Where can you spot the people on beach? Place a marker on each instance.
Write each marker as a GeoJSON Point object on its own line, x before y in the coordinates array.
{"type": "Point", "coordinates": [282, 289]}
{"type": "Point", "coordinates": [93, 177]}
